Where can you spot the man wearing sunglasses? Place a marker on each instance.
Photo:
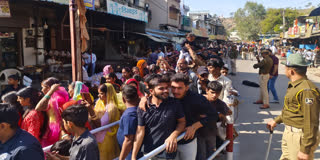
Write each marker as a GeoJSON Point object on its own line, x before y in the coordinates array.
{"type": "Point", "coordinates": [199, 84]}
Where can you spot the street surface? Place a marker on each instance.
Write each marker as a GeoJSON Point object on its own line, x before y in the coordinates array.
{"type": "Point", "coordinates": [252, 142]}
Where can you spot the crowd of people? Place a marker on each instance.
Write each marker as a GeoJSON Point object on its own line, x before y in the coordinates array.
{"type": "Point", "coordinates": [161, 97]}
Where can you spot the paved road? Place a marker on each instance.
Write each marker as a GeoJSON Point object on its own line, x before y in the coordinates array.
{"type": "Point", "coordinates": [251, 123]}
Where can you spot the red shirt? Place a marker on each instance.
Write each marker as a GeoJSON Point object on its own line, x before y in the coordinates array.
{"type": "Point", "coordinates": [32, 123]}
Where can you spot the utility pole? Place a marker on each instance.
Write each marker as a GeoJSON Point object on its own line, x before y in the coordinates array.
{"type": "Point", "coordinates": [284, 23]}
{"type": "Point", "coordinates": [76, 60]}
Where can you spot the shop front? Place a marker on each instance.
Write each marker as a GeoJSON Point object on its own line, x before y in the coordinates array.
{"type": "Point", "coordinates": [10, 50]}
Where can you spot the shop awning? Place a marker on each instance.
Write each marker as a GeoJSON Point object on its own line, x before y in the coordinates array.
{"type": "Point", "coordinates": [169, 33]}
{"type": "Point", "coordinates": [157, 39]}
{"type": "Point", "coordinates": [315, 12]}
{"type": "Point", "coordinates": [157, 35]}
{"type": "Point", "coordinates": [153, 37]}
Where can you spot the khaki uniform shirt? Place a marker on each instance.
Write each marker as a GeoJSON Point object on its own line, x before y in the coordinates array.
{"type": "Point", "coordinates": [301, 110]}
{"type": "Point", "coordinates": [233, 54]}
{"type": "Point", "coordinates": [265, 65]}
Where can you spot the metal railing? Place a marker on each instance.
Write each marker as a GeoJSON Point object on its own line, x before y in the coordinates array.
{"type": "Point", "coordinates": [224, 145]}
{"type": "Point", "coordinates": [163, 147]}
{"type": "Point", "coordinates": [159, 149]}
{"type": "Point", "coordinates": [46, 149]}
{"type": "Point", "coordinates": [155, 151]}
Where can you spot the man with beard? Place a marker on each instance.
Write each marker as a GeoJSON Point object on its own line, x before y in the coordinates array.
{"type": "Point", "coordinates": [161, 123]}
{"type": "Point", "coordinates": [199, 85]}
{"type": "Point", "coordinates": [184, 68]}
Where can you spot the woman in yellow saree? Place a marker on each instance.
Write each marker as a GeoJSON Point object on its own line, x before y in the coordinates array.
{"type": "Point", "coordinates": [107, 111]}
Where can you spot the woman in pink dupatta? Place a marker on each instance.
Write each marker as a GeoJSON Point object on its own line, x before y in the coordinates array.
{"type": "Point", "coordinates": [55, 97]}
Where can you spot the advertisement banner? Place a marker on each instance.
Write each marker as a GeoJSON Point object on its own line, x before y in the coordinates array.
{"type": "Point", "coordinates": [4, 8]}
{"type": "Point", "coordinates": [88, 3]}
{"type": "Point", "coordinates": [290, 31]}
{"type": "Point", "coordinates": [211, 37]}
{"type": "Point", "coordinates": [295, 30]}
{"type": "Point", "coordinates": [126, 11]}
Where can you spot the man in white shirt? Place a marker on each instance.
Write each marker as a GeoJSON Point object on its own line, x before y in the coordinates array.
{"type": "Point", "coordinates": [310, 56]}
{"type": "Point", "coordinates": [85, 76]}
{"type": "Point", "coordinates": [90, 61]}
{"type": "Point", "coordinates": [53, 65]}
{"type": "Point", "coordinates": [274, 50]}
{"type": "Point", "coordinates": [304, 52]}
{"type": "Point", "coordinates": [214, 67]}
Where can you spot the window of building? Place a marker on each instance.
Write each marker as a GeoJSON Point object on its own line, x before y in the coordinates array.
{"type": "Point", "coordinates": [136, 2]}
{"type": "Point", "coordinates": [173, 13]}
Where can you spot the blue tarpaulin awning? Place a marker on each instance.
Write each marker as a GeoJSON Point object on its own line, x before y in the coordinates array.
{"type": "Point", "coordinates": [315, 12]}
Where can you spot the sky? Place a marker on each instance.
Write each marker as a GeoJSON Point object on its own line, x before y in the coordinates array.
{"type": "Point", "coordinates": [225, 7]}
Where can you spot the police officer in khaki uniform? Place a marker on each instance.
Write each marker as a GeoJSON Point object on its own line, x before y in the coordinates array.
{"type": "Point", "coordinates": [300, 113]}
{"type": "Point", "coordinates": [265, 67]}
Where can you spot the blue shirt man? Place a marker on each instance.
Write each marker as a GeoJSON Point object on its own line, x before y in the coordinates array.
{"type": "Point", "coordinates": [22, 146]}
{"type": "Point", "coordinates": [128, 126]}
{"type": "Point", "coordinates": [16, 143]}
{"type": "Point", "coordinates": [128, 122]}
{"type": "Point", "coordinates": [153, 57]}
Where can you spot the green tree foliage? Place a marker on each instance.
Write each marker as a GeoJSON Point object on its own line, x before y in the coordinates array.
{"type": "Point", "coordinates": [248, 20]}
{"type": "Point", "coordinates": [273, 20]}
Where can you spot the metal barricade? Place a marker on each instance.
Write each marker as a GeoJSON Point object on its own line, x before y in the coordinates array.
{"type": "Point", "coordinates": [159, 149]}
{"type": "Point", "coordinates": [46, 149]}
{"type": "Point", "coordinates": [224, 145]}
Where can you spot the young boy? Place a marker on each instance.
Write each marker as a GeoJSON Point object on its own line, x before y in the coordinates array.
{"type": "Point", "coordinates": [225, 71]}
{"type": "Point", "coordinates": [128, 122]}
{"type": "Point", "coordinates": [207, 135]}
{"type": "Point", "coordinates": [84, 146]}
{"type": "Point", "coordinates": [13, 85]}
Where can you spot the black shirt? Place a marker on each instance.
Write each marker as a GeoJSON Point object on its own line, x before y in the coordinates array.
{"type": "Point", "coordinates": [22, 146]}
{"type": "Point", "coordinates": [220, 107]}
{"type": "Point", "coordinates": [195, 105]}
{"type": "Point", "coordinates": [84, 148]}
{"type": "Point", "coordinates": [159, 123]}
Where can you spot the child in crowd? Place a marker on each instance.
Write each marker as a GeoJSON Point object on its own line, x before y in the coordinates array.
{"type": "Point", "coordinates": [207, 135]}
{"type": "Point", "coordinates": [84, 145]}
{"type": "Point", "coordinates": [225, 71]}
{"type": "Point", "coordinates": [13, 85]}
{"type": "Point", "coordinates": [128, 122]}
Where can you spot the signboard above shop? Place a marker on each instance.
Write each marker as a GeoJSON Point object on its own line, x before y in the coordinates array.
{"type": "Point", "coordinates": [118, 9]}
{"type": "Point", "coordinates": [4, 8]}
{"type": "Point", "coordinates": [88, 3]}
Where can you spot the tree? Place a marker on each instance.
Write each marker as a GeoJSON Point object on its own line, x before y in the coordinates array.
{"type": "Point", "coordinates": [274, 19]}
{"type": "Point", "coordinates": [248, 20]}
{"type": "Point", "coordinates": [308, 5]}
